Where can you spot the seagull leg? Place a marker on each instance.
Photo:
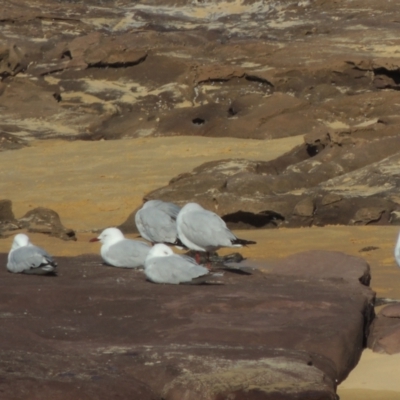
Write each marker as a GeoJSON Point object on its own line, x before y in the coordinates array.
{"type": "Point", "coordinates": [197, 257]}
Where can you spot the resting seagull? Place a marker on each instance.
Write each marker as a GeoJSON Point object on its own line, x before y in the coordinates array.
{"type": "Point", "coordinates": [164, 266]}
{"type": "Point", "coordinates": [156, 221]}
{"type": "Point", "coordinates": [397, 251]}
{"type": "Point", "coordinates": [203, 230]}
{"type": "Point", "coordinates": [119, 251]}
{"type": "Point", "coordinates": [26, 258]}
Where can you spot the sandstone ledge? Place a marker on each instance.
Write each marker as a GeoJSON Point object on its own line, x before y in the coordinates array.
{"type": "Point", "coordinates": [98, 332]}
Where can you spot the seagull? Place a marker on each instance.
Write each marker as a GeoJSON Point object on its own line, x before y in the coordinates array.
{"type": "Point", "coordinates": [162, 265]}
{"type": "Point", "coordinates": [203, 230]}
{"type": "Point", "coordinates": [156, 221]}
{"type": "Point", "coordinates": [26, 258]}
{"type": "Point", "coordinates": [119, 251]}
{"type": "Point", "coordinates": [397, 251]}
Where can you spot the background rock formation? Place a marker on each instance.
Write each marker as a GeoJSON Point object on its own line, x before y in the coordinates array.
{"type": "Point", "coordinates": [333, 178]}
{"type": "Point", "coordinates": [38, 220]}
{"type": "Point", "coordinates": [251, 69]}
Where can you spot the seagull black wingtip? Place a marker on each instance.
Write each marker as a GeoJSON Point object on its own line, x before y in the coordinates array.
{"type": "Point", "coordinates": [243, 242]}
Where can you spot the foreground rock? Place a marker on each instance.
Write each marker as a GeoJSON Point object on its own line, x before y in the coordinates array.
{"type": "Point", "coordinates": [385, 331]}
{"type": "Point", "coordinates": [292, 332]}
{"type": "Point", "coordinates": [335, 177]}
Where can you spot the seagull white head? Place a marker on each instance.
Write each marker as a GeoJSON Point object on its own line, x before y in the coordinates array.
{"type": "Point", "coordinates": [20, 240]}
{"type": "Point", "coordinates": [160, 250]}
{"type": "Point", "coordinates": [109, 236]}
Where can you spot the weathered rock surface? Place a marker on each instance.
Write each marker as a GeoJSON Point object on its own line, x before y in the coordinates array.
{"type": "Point", "coordinates": [38, 220]}
{"type": "Point", "coordinates": [335, 177]}
{"type": "Point", "coordinates": [291, 332]}
{"type": "Point", "coordinates": [245, 69]}
{"type": "Point", "coordinates": [385, 331]}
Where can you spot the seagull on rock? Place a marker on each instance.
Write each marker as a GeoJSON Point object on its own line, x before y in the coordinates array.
{"type": "Point", "coordinates": [203, 230]}
{"type": "Point", "coordinates": [118, 251]}
{"type": "Point", "coordinates": [397, 251]}
{"type": "Point", "coordinates": [26, 258]}
{"type": "Point", "coordinates": [164, 266]}
{"type": "Point", "coordinates": [156, 221]}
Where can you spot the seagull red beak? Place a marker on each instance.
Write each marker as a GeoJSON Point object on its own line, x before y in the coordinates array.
{"type": "Point", "coordinates": [94, 240]}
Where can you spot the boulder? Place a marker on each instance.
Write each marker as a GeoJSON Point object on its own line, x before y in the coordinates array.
{"type": "Point", "coordinates": [292, 329]}
{"type": "Point", "coordinates": [44, 220]}
{"type": "Point", "coordinates": [333, 178]}
{"type": "Point", "coordinates": [385, 330]}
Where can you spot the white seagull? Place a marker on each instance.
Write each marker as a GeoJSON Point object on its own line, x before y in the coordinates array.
{"type": "Point", "coordinates": [397, 251]}
{"type": "Point", "coordinates": [164, 266]}
{"type": "Point", "coordinates": [156, 221]}
{"type": "Point", "coordinates": [203, 230]}
{"type": "Point", "coordinates": [26, 258]}
{"type": "Point", "coordinates": [119, 251]}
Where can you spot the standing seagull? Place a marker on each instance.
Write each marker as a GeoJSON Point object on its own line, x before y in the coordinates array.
{"type": "Point", "coordinates": [397, 251]}
{"type": "Point", "coordinates": [164, 266]}
{"type": "Point", "coordinates": [203, 230]}
{"type": "Point", "coordinates": [156, 221]}
{"type": "Point", "coordinates": [119, 251]}
{"type": "Point", "coordinates": [26, 258]}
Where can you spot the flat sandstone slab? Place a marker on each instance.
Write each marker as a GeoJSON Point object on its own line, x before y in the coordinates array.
{"type": "Point", "coordinates": [96, 332]}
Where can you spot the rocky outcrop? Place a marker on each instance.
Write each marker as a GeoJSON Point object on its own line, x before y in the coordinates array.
{"type": "Point", "coordinates": [385, 331]}
{"type": "Point", "coordinates": [335, 177]}
{"type": "Point", "coordinates": [38, 220]}
{"type": "Point", "coordinates": [246, 69]}
{"type": "Point", "coordinates": [291, 330]}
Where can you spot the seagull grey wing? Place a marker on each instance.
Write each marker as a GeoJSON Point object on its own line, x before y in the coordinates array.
{"type": "Point", "coordinates": [140, 224]}
{"type": "Point", "coordinates": [31, 260]}
{"type": "Point", "coordinates": [206, 229]}
{"type": "Point", "coordinates": [173, 269]}
{"type": "Point", "coordinates": [397, 251]}
{"type": "Point", "coordinates": [127, 254]}
{"type": "Point", "coordinates": [170, 209]}
{"type": "Point", "coordinates": [158, 226]}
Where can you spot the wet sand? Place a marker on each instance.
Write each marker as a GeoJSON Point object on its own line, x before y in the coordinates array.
{"type": "Point", "coordinates": [98, 184]}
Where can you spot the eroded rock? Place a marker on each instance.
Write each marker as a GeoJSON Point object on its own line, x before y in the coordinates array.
{"type": "Point", "coordinates": [291, 332]}
{"type": "Point", "coordinates": [335, 177]}
{"type": "Point", "coordinates": [44, 220]}
{"type": "Point", "coordinates": [385, 331]}
{"type": "Point", "coordinates": [176, 68]}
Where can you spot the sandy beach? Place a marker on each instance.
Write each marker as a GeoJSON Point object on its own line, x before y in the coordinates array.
{"type": "Point", "coordinates": [93, 185]}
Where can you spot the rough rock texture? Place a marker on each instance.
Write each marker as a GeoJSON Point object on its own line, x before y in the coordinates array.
{"type": "Point", "coordinates": [335, 177]}
{"type": "Point", "coordinates": [247, 69]}
{"type": "Point", "coordinates": [11, 142]}
{"type": "Point", "coordinates": [7, 218]}
{"type": "Point", "coordinates": [38, 220]}
{"type": "Point", "coordinates": [251, 69]}
{"type": "Point", "coordinates": [385, 331]}
{"type": "Point", "coordinates": [291, 332]}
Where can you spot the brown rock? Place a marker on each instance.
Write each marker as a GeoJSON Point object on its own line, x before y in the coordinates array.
{"type": "Point", "coordinates": [321, 182]}
{"type": "Point", "coordinates": [8, 221]}
{"type": "Point", "coordinates": [44, 220]}
{"type": "Point", "coordinates": [330, 198]}
{"type": "Point", "coordinates": [364, 216]}
{"type": "Point", "coordinates": [295, 340]}
{"type": "Point", "coordinates": [391, 311]}
{"type": "Point", "coordinates": [385, 331]}
{"type": "Point", "coordinates": [305, 207]}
